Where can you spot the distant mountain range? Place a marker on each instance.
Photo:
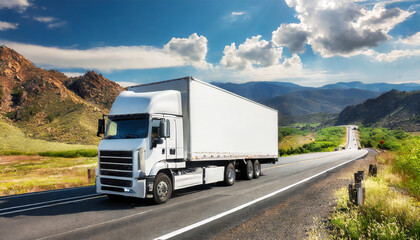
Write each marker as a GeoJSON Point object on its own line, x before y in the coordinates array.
{"type": "Point", "coordinates": [393, 109]}
{"type": "Point", "coordinates": [291, 99]}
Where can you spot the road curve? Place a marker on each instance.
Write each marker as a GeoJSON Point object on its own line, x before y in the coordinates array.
{"type": "Point", "coordinates": [80, 213]}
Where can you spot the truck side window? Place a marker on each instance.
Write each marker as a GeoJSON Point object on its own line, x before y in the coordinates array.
{"type": "Point", "coordinates": [168, 128]}
{"type": "Point", "coordinates": [155, 128]}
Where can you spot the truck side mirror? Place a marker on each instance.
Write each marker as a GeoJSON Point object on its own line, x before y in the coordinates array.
{"type": "Point", "coordinates": [162, 129]}
{"type": "Point", "coordinates": [101, 127]}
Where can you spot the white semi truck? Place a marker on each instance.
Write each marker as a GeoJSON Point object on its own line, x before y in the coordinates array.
{"type": "Point", "coordinates": [174, 134]}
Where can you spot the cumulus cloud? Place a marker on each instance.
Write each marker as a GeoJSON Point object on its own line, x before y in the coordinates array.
{"type": "Point", "coordinates": [6, 26]}
{"type": "Point", "coordinates": [412, 40]}
{"type": "Point", "coordinates": [397, 54]}
{"type": "Point", "coordinates": [338, 27]}
{"type": "Point", "coordinates": [14, 4]}
{"type": "Point", "coordinates": [253, 52]}
{"type": "Point", "coordinates": [178, 52]}
{"type": "Point", "coordinates": [293, 36]}
{"type": "Point", "coordinates": [192, 50]}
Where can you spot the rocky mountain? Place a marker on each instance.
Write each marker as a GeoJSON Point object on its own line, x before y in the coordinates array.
{"type": "Point", "coordinates": [95, 88]}
{"type": "Point", "coordinates": [47, 104]}
{"type": "Point", "coordinates": [393, 109]}
{"type": "Point", "coordinates": [261, 90]}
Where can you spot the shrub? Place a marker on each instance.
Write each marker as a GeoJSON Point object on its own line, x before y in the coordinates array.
{"type": "Point", "coordinates": [71, 153]}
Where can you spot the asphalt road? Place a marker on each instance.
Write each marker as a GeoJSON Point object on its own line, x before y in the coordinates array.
{"type": "Point", "coordinates": [198, 212]}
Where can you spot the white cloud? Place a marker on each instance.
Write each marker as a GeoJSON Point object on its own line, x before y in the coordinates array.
{"type": "Point", "coordinates": [45, 19]}
{"type": "Point", "coordinates": [178, 52]}
{"type": "Point", "coordinates": [412, 40]}
{"type": "Point", "coordinates": [252, 53]}
{"type": "Point", "coordinates": [338, 27]}
{"type": "Point", "coordinates": [127, 84]}
{"type": "Point", "coordinates": [73, 74]}
{"type": "Point", "coordinates": [6, 26]}
{"type": "Point", "coordinates": [397, 54]}
{"type": "Point", "coordinates": [238, 13]}
{"type": "Point", "coordinates": [192, 50]}
{"type": "Point", "coordinates": [293, 36]}
{"type": "Point", "coordinates": [14, 4]}
{"type": "Point", "coordinates": [51, 22]}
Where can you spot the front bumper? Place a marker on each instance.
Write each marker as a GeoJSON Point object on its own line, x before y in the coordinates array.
{"type": "Point", "coordinates": [137, 189]}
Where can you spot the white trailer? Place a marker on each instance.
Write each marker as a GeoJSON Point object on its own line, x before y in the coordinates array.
{"type": "Point", "coordinates": [174, 134]}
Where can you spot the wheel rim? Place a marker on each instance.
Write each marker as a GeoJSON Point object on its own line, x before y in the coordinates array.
{"type": "Point", "coordinates": [230, 175]}
{"type": "Point", "coordinates": [162, 189]}
{"type": "Point", "coordinates": [257, 169]}
{"type": "Point", "coordinates": [250, 170]}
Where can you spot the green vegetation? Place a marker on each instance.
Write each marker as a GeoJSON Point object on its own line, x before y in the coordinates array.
{"type": "Point", "coordinates": [35, 173]}
{"type": "Point", "coordinates": [71, 153]}
{"type": "Point", "coordinates": [392, 206]}
{"type": "Point", "coordinates": [15, 142]}
{"type": "Point", "coordinates": [387, 214]}
{"type": "Point", "coordinates": [391, 139]}
{"type": "Point", "coordinates": [326, 140]}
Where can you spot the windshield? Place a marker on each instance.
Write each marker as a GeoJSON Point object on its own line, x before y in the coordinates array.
{"type": "Point", "coordinates": [126, 128]}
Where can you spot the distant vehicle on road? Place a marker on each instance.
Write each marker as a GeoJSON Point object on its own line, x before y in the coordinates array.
{"type": "Point", "coordinates": [175, 134]}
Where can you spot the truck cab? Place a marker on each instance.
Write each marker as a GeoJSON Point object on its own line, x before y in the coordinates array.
{"type": "Point", "coordinates": [139, 126]}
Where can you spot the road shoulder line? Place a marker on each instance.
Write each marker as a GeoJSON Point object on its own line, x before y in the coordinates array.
{"type": "Point", "coordinates": [220, 215]}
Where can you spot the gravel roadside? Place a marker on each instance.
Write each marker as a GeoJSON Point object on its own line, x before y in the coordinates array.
{"type": "Point", "coordinates": [302, 211]}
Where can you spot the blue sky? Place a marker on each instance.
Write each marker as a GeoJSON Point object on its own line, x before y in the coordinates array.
{"type": "Point", "coordinates": [307, 42]}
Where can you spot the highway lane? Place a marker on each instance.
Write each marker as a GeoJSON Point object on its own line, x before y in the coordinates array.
{"type": "Point", "coordinates": [81, 213]}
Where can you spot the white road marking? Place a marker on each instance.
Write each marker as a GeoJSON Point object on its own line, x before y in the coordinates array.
{"type": "Point", "coordinates": [220, 215]}
{"type": "Point", "coordinates": [60, 202]}
{"type": "Point", "coordinates": [39, 203]}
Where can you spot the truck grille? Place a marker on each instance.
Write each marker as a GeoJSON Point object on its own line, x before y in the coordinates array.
{"type": "Point", "coordinates": [116, 163]}
{"type": "Point", "coordinates": [116, 182]}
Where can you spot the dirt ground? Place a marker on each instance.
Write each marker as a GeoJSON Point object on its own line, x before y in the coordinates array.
{"type": "Point", "coordinates": [18, 159]}
{"type": "Point", "coordinates": [298, 214]}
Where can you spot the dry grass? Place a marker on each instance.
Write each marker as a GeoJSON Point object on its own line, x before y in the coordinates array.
{"type": "Point", "coordinates": [44, 173]}
{"type": "Point", "coordinates": [296, 141]}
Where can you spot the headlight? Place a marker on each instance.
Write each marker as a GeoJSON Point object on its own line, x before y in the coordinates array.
{"type": "Point", "coordinates": [141, 159]}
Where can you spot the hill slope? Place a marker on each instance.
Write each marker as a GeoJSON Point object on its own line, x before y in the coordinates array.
{"type": "Point", "coordinates": [393, 109]}
{"type": "Point", "coordinates": [50, 106]}
{"type": "Point", "coordinates": [318, 101]}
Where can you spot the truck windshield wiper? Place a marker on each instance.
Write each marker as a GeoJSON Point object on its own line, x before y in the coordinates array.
{"type": "Point", "coordinates": [131, 136]}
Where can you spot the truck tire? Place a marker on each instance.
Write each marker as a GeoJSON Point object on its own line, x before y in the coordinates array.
{"type": "Point", "coordinates": [257, 169]}
{"type": "Point", "coordinates": [230, 175]}
{"type": "Point", "coordinates": [248, 170]}
{"type": "Point", "coordinates": [162, 188]}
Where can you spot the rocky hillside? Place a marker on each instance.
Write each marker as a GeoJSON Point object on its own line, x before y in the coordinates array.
{"type": "Point", "coordinates": [317, 101]}
{"type": "Point", "coordinates": [393, 109]}
{"type": "Point", "coordinates": [95, 88]}
{"type": "Point", "coordinates": [48, 105]}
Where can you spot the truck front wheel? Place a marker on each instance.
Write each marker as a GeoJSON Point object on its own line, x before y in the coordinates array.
{"type": "Point", "coordinates": [230, 174]}
{"type": "Point", "coordinates": [162, 188]}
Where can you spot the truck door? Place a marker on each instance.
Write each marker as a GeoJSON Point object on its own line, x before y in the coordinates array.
{"type": "Point", "coordinates": [171, 138]}
{"type": "Point", "coordinates": [158, 145]}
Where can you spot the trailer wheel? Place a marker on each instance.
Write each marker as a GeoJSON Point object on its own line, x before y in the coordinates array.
{"type": "Point", "coordinates": [230, 175]}
{"type": "Point", "coordinates": [257, 169]}
{"type": "Point", "coordinates": [248, 170]}
{"type": "Point", "coordinates": [162, 188]}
